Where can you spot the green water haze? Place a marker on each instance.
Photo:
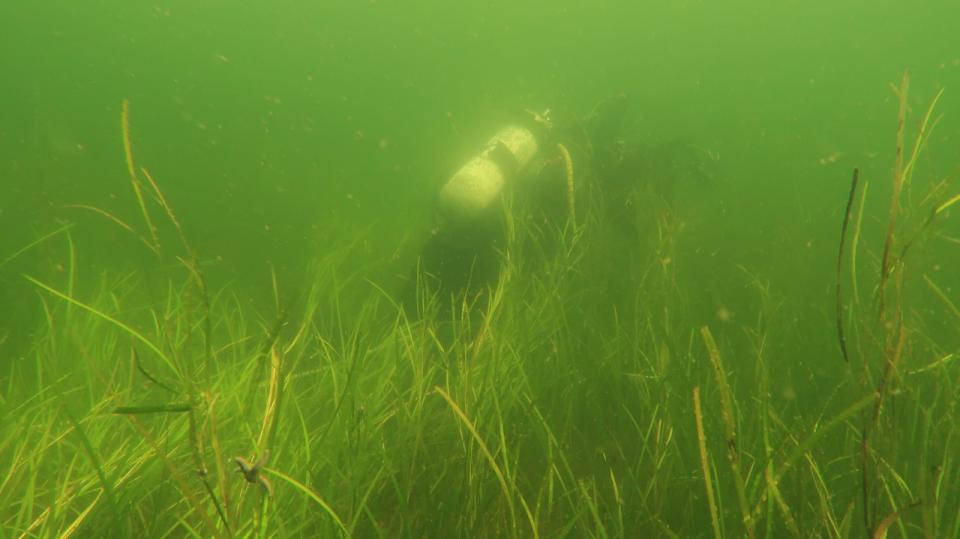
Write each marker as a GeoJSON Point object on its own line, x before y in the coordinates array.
{"type": "Point", "coordinates": [215, 310]}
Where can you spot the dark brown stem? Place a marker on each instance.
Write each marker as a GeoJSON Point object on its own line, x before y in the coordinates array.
{"type": "Point", "coordinates": [843, 239]}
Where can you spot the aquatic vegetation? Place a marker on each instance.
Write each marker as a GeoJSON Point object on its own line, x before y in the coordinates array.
{"type": "Point", "coordinates": [882, 361]}
{"type": "Point", "coordinates": [560, 406]}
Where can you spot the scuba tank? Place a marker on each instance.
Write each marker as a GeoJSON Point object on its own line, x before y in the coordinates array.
{"type": "Point", "coordinates": [479, 182]}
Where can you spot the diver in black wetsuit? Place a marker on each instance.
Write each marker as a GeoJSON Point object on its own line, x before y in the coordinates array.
{"type": "Point", "coordinates": [462, 258]}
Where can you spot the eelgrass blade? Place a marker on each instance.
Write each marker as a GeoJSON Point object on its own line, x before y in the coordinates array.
{"type": "Point", "coordinates": [880, 532]}
{"type": "Point", "coordinates": [571, 200]}
{"type": "Point", "coordinates": [78, 521]}
{"type": "Point", "coordinates": [129, 330]}
{"type": "Point", "coordinates": [943, 297]}
{"type": "Point", "coordinates": [898, 178]}
{"type": "Point", "coordinates": [261, 357]}
{"type": "Point", "coordinates": [815, 437]}
{"type": "Point", "coordinates": [486, 452]}
{"type": "Point", "coordinates": [704, 464]}
{"type": "Point", "coordinates": [139, 365]}
{"type": "Point", "coordinates": [169, 408]}
{"type": "Point", "coordinates": [727, 408]}
{"type": "Point", "coordinates": [131, 170]}
{"type": "Point", "coordinates": [926, 128]}
{"type": "Point", "coordinates": [362, 505]}
{"type": "Point", "coordinates": [192, 264]}
{"type": "Point", "coordinates": [937, 211]}
{"type": "Point", "coordinates": [117, 221]}
{"type": "Point", "coordinates": [843, 239]}
{"type": "Point", "coordinates": [95, 460]}
{"type": "Point", "coordinates": [313, 496]}
{"type": "Point", "coordinates": [938, 363]}
{"type": "Point", "coordinates": [271, 408]}
{"type": "Point", "coordinates": [34, 243]}
{"type": "Point", "coordinates": [218, 462]}
{"type": "Point", "coordinates": [855, 244]}
{"type": "Point", "coordinates": [177, 477]}
{"type": "Point", "coordinates": [589, 497]}
{"type": "Point", "coordinates": [902, 175]}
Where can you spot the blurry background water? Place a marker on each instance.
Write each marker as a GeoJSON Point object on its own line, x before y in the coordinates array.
{"type": "Point", "coordinates": [278, 128]}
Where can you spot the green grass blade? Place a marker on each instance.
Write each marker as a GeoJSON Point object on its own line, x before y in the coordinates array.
{"type": "Point", "coordinates": [129, 330]}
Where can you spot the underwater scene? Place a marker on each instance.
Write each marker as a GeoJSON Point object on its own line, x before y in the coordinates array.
{"type": "Point", "coordinates": [424, 268]}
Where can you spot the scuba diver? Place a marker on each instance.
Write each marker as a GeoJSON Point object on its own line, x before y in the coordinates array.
{"type": "Point", "coordinates": [463, 254]}
{"type": "Point", "coordinates": [531, 158]}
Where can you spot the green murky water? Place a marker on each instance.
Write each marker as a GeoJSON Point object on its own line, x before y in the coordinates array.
{"type": "Point", "coordinates": [302, 145]}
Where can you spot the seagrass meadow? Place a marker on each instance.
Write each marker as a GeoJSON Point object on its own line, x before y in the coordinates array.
{"type": "Point", "coordinates": [722, 299]}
